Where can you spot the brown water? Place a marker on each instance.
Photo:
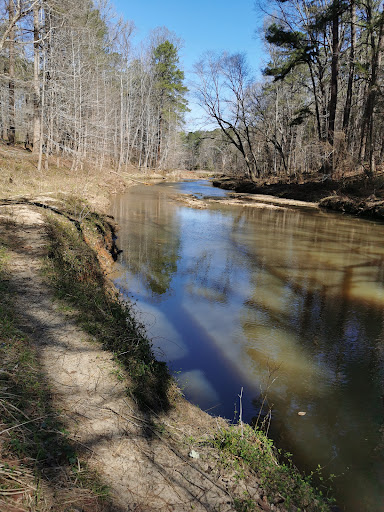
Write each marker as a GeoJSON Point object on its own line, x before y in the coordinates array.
{"type": "Point", "coordinates": [283, 302]}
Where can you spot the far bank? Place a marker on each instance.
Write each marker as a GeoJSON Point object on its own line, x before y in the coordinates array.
{"type": "Point", "coordinates": [356, 194]}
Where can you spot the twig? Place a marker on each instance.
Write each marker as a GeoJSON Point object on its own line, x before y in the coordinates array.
{"type": "Point", "coordinates": [241, 413]}
{"type": "Point", "coordinates": [5, 405]}
{"type": "Point", "coordinates": [11, 477]}
{"type": "Point", "coordinates": [12, 492]}
{"type": "Point", "coordinates": [21, 424]}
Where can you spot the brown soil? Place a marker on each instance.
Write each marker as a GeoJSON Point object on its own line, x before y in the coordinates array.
{"type": "Point", "coordinates": [248, 200]}
{"type": "Point", "coordinates": [308, 191]}
{"type": "Point", "coordinates": [372, 207]}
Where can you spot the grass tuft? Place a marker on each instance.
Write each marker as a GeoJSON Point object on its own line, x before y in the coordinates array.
{"type": "Point", "coordinates": [250, 449]}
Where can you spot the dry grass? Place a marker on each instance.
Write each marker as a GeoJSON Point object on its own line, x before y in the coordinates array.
{"type": "Point", "coordinates": [39, 470]}
{"type": "Point", "coordinates": [19, 176]}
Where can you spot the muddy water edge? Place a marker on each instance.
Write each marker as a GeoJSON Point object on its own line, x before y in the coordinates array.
{"type": "Point", "coordinates": [286, 303]}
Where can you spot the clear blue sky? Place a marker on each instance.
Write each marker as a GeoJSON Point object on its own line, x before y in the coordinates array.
{"type": "Point", "coordinates": [202, 25]}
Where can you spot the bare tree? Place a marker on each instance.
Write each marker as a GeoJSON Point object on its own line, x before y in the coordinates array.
{"type": "Point", "coordinates": [222, 91]}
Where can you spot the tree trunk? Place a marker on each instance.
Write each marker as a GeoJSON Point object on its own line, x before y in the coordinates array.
{"type": "Point", "coordinates": [367, 136]}
{"type": "Point", "coordinates": [36, 81]}
{"type": "Point", "coordinates": [348, 101]}
{"type": "Point", "coordinates": [334, 71]}
{"type": "Point", "coordinates": [317, 107]}
{"type": "Point", "coordinates": [160, 134]}
{"type": "Point", "coordinates": [11, 73]}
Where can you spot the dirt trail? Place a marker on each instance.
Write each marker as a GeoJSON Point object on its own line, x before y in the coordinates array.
{"type": "Point", "coordinates": [144, 470]}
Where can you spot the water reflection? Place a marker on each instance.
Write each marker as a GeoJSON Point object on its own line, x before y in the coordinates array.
{"type": "Point", "coordinates": [239, 297]}
{"type": "Point", "coordinates": [151, 252]}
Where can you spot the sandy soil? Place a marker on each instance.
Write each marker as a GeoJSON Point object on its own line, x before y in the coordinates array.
{"type": "Point", "coordinates": [145, 470]}
{"type": "Point", "coordinates": [248, 200]}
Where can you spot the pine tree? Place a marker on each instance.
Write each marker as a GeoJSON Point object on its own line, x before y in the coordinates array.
{"type": "Point", "coordinates": [169, 86]}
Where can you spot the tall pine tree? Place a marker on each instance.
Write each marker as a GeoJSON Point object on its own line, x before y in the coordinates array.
{"type": "Point", "coordinates": [169, 85]}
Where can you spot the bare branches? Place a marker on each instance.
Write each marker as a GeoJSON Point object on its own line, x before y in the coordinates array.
{"type": "Point", "coordinates": [20, 9]}
{"type": "Point", "coordinates": [222, 92]}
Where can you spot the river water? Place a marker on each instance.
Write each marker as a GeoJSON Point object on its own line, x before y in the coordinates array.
{"type": "Point", "coordinates": [284, 303]}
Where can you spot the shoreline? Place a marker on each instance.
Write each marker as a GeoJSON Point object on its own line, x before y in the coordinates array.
{"type": "Point", "coordinates": [357, 196]}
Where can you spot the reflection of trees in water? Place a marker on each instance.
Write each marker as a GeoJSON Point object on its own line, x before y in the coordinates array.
{"type": "Point", "coordinates": [207, 280]}
{"type": "Point", "coordinates": [150, 239]}
{"type": "Point", "coordinates": [333, 328]}
{"type": "Point", "coordinates": [314, 271]}
{"type": "Point", "coordinates": [342, 427]}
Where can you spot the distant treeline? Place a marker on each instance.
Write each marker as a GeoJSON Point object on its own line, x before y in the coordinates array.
{"type": "Point", "coordinates": [72, 84]}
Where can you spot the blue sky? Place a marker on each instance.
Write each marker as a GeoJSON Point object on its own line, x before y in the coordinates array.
{"type": "Point", "coordinates": [202, 25]}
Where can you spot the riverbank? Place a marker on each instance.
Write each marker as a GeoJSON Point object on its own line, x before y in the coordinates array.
{"type": "Point", "coordinates": [92, 421]}
{"type": "Point", "coordinates": [356, 194]}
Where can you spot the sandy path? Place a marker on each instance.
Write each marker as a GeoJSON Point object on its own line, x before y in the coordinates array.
{"type": "Point", "coordinates": [144, 472]}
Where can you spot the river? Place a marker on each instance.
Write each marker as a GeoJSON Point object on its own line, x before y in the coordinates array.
{"type": "Point", "coordinates": [284, 303]}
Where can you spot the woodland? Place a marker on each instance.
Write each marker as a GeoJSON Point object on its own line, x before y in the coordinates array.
{"type": "Point", "coordinates": [78, 94]}
{"type": "Point", "coordinates": [73, 84]}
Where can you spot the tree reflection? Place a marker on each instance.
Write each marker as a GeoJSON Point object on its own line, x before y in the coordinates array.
{"type": "Point", "coordinates": [150, 239]}
{"type": "Point", "coordinates": [250, 290]}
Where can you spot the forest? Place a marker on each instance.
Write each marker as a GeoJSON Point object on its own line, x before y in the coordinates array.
{"type": "Point", "coordinates": [260, 294]}
{"type": "Point", "coordinates": [74, 84]}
